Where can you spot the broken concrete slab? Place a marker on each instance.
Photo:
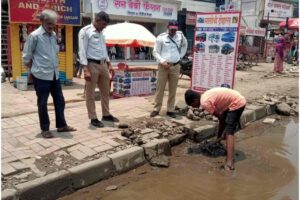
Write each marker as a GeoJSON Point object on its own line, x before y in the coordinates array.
{"type": "Point", "coordinates": [160, 161]}
{"type": "Point", "coordinates": [127, 159]}
{"type": "Point", "coordinates": [269, 121]}
{"type": "Point", "coordinates": [157, 147]}
{"type": "Point", "coordinates": [283, 109]}
{"type": "Point", "coordinates": [111, 187]}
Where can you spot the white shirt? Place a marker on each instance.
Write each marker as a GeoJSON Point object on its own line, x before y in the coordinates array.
{"type": "Point", "coordinates": [91, 45]}
{"type": "Point", "coordinates": [166, 50]}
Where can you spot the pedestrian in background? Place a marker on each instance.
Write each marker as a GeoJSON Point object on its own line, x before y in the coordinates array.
{"type": "Point", "coordinates": [40, 55]}
{"type": "Point", "coordinates": [169, 48]}
{"type": "Point", "coordinates": [279, 55]}
{"type": "Point", "coordinates": [96, 65]}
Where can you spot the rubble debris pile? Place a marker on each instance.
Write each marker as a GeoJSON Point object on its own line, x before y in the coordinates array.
{"type": "Point", "coordinates": [146, 130]}
{"type": "Point", "coordinates": [195, 114]}
{"type": "Point", "coordinates": [283, 105]}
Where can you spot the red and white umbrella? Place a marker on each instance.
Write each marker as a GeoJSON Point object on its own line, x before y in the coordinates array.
{"type": "Point", "coordinates": [293, 23]}
{"type": "Point", "coordinates": [129, 35]}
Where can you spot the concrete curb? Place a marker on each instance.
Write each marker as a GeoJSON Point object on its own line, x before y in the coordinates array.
{"type": "Point", "coordinates": [127, 159]}
{"type": "Point", "coordinates": [9, 194]}
{"type": "Point", "coordinates": [51, 186]}
{"type": "Point", "coordinates": [91, 172]}
{"type": "Point", "coordinates": [65, 182]}
{"type": "Point", "coordinates": [157, 147]}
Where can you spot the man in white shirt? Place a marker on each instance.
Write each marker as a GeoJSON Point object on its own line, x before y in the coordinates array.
{"type": "Point", "coordinates": [96, 64]}
{"type": "Point", "coordinates": [169, 48]}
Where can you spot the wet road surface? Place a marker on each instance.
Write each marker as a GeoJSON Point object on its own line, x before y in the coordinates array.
{"type": "Point", "coordinates": [266, 168]}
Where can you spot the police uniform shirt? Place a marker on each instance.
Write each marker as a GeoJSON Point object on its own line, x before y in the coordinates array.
{"type": "Point", "coordinates": [166, 50]}
{"type": "Point", "coordinates": [91, 45]}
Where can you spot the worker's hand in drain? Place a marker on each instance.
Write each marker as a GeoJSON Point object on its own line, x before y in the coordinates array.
{"type": "Point", "coordinates": [165, 65]}
{"type": "Point", "coordinates": [86, 73]}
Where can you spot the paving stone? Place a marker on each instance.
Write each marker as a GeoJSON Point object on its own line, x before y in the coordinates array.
{"type": "Point", "coordinates": [19, 165]}
{"type": "Point", "coordinates": [103, 148]}
{"type": "Point", "coordinates": [87, 151]}
{"type": "Point", "coordinates": [45, 143]}
{"type": "Point", "coordinates": [51, 186]}
{"type": "Point", "coordinates": [9, 159]}
{"type": "Point", "coordinates": [49, 150]}
{"type": "Point", "coordinates": [76, 147]}
{"type": "Point", "coordinates": [127, 159]}
{"type": "Point", "coordinates": [61, 144]}
{"type": "Point", "coordinates": [78, 155]}
{"type": "Point", "coordinates": [91, 172]}
{"type": "Point", "coordinates": [111, 142]}
{"type": "Point", "coordinates": [92, 144]}
{"type": "Point", "coordinates": [20, 154]}
{"type": "Point", "coordinates": [7, 169]}
{"type": "Point", "coordinates": [37, 147]}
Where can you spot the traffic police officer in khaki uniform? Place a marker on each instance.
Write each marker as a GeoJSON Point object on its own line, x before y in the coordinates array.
{"type": "Point", "coordinates": [96, 64]}
{"type": "Point", "coordinates": [169, 48]}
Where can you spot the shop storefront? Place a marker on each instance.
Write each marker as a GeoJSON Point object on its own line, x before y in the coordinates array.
{"type": "Point", "coordinates": [24, 18]}
{"type": "Point", "coordinates": [153, 15]}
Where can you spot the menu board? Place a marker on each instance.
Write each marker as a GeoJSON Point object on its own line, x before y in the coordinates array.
{"type": "Point", "coordinates": [134, 83]}
{"type": "Point", "coordinates": [215, 50]}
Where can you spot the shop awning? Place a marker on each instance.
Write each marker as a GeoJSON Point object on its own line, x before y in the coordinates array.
{"type": "Point", "coordinates": [128, 34]}
{"type": "Point", "coordinates": [293, 23]}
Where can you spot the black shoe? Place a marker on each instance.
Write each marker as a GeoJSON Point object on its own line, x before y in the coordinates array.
{"type": "Point", "coordinates": [171, 114]}
{"type": "Point", "coordinates": [97, 123]}
{"type": "Point", "coordinates": [110, 118]}
{"type": "Point", "coordinates": [154, 113]}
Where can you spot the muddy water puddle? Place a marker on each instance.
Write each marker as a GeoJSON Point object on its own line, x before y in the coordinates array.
{"type": "Point", "coordinates": [266, 168]}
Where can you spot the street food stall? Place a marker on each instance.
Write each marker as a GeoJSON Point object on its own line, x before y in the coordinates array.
{"type": "Point", "coordinates": [131, 81]}
{"type": "Point", "coordinates": [24, 18]}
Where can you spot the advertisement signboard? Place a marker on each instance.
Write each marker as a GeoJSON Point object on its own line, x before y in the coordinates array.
{"type": "Point", "coordinates": [277, 11]}
{"type": "Point", "coordinates": [138, 8]}
{"type": "Point", "coordinates": [134, 83]}
{"type": "Point", "coordinates": [21, 11]}
{"type": "Point", "coordinates": [260, 32]}
{"type": "Point", "coordinates": [215, 50]}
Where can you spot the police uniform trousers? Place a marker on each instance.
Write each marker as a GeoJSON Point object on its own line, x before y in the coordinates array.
{"type": "Point", "coordinates": [99, 77]}
{"type": "Point", "coordinates": [171, 76]}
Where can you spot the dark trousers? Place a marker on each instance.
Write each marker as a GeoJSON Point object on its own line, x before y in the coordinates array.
{"type": "Point", "coordinates": [43, 88]}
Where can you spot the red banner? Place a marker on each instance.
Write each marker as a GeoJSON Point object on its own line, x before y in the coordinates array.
{"type": "Point", "coordinates": [28, 11]}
